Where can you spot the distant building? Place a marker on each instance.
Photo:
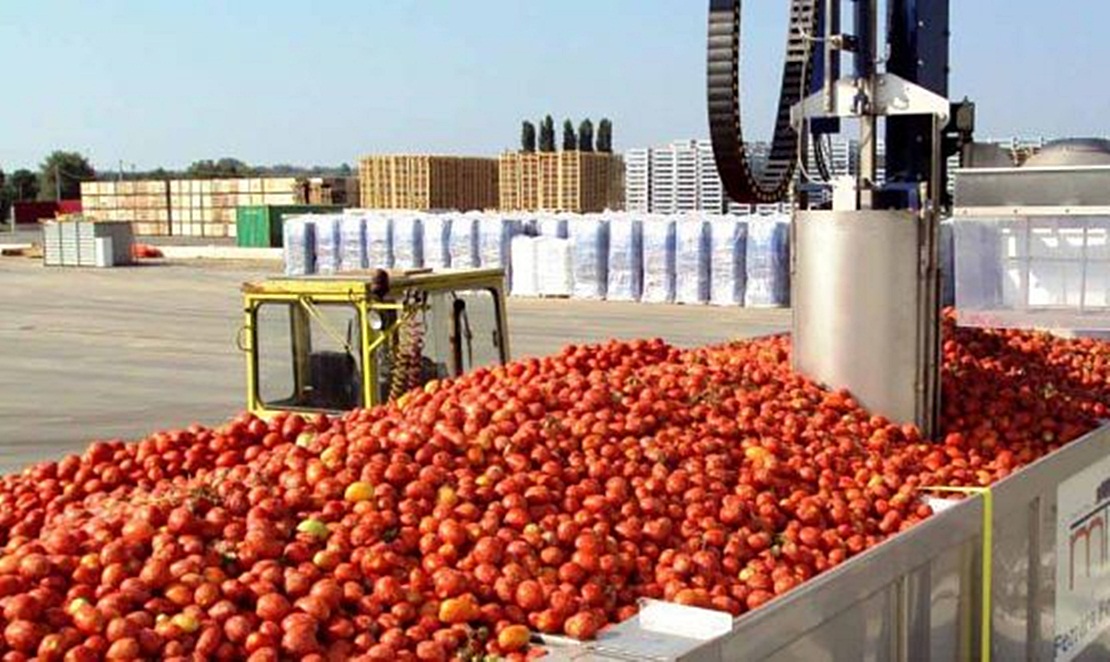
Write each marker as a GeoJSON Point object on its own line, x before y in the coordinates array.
{"type": "Point", "coordinates": [560, 181]}
{"type": "Point", "coordinates": [428, 182]}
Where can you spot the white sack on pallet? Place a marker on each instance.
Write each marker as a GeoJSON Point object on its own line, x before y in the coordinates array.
{"type": "Point", "coordinates": [352, 243]}
{"type": "Point", "coordinates": [327, 243]}
{"type": "Point", "coordinates": [589, 239]}
{"type": "Point", "coordinates": [299, 240]}
{"type": "Point", "coordinates": [728, 245]}
{"type": "Point", "coordinates": [554, 267]}
{"type": "Point", "coordinates": [525, 270]}
{"type": "Point", "coordinates": [691, 260]}
{"type": "Point", "coordinates": [552, 226]}
{"type": "Point", "coordinates": [379, 241]}
{"type": "Point", "coordinates": [659, 260]}
{"type": "Point", "coordinates": [626, 259]}
{"type": "Point", "coordinates": [437, 241]}
{"type": "Point", "coordinates": [768, 261]}
{"type": "Point", "coordinates": [495, 236]}
{"type": "Point", "coordinates": [464, 241]}
{"type": "Point", "coordinates": [408, 242]}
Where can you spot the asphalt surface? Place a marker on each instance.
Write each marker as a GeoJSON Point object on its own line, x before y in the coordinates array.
{"type": "Point", "coordinates": [91, 354]}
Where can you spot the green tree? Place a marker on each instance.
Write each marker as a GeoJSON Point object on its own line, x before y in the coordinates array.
{"type": "Point", "coordinates": [547, 135]}
{"type": "Point", "coordinates": [5, 197]}
{"type": "Point", "coordinates": [24, 185]}
{"type": "Point", "coordinates": [605, 136]}
{"type": "Point", "coordinates": [62, 173]}
{"type": "Point", "coordinates": [586, 136]}
{"type": "Point", "coordinates": [527, 137]}
{"type": "Point", "coordinates": [225, 167]}
{"type": "Point", "coordinates": [570, 141]}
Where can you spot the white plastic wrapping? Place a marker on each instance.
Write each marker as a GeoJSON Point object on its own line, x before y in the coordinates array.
{"type": "Point", "coordinates": [728, 242]}
{"type": "Point", "coordinates": [768, 261]}
{"type": "Point", "coordinates": [464, 241]}
{"type": "Point", "coordinates": [691, 260]}
{"type": "Point", "coordinates": [495, 236]}
{"type": "Point", "coordinates": [352, 243]}
{"type": "Point", "coordinates": [626, 259]}
{"type": "Point", "coordinates": [554, 267]}
{"type": "Point", "coordinates": [328, 243]}
{"type": "Point", "coordinates": [379, 241]}
{"type": "Point", "coordinates": [299, 239]}
{"type": "Point", "coordinates": [659, 260]}
{"type": "Point", "coordinates": [408, 242]}
{"type": "Point", "coordinates": [589, 238]}
{"type": "Point", "coordinates": [525, 270]}
{"type": "Point", "coordinates": [552, 226]}
{"type": "Point", "coordinates": [437, 241]}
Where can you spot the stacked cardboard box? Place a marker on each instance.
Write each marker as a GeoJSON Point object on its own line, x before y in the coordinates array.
{"type": "Point", "coordinates": [144, 204]}
{"type": "Point", "coordinates": [341, 191]}
{"type": "Point", "coordinates": [206, 207]}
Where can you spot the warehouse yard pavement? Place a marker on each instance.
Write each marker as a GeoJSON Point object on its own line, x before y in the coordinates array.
{"type": "Point", "coordinates": [88, 354]}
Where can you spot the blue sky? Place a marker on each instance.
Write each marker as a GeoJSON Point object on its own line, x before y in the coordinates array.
{"type": "Point", "coordinates": [157, 82]}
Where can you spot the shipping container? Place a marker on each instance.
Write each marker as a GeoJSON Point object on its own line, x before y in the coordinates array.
{"type": "Point", "coordinates": [261, 225]}
{"type": "Point", "coordinates": [33, 212]}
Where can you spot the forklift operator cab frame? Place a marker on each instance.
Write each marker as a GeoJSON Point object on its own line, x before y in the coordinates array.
{"type": "Point", "coordinates": [334, 343]}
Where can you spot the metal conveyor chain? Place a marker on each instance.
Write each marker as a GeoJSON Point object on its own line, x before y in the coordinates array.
{"type": "Point", "coordinates": [741, 180]}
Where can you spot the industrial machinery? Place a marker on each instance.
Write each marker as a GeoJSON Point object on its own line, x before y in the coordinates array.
{"type": "Point", "coordinates": [1033, 242]}
{"type": "Point", "coordinates": [1015, 571]}
{"type": "Point", "coordinates": [877, 337]}
{"type": "Point", "coordinates": [334, 343]}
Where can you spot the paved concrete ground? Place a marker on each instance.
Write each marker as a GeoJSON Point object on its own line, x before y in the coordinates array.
{"type": "Point", "coordinates": [87, 354]}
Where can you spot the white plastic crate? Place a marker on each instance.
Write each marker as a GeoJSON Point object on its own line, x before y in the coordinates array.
{"type": "Point", "coordinates": [1033, 271]}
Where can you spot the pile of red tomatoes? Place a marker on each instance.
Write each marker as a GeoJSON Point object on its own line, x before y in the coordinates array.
{"type": "Point", "coordinates": [546, 496]}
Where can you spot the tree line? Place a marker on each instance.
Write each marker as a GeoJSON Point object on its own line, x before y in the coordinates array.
{"type": "Point", "coordinates": [582, 140]}
{"type": "Point", "coordinates": [59, 176]}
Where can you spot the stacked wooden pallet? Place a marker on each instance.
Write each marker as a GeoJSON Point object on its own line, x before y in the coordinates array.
{"type": "Point", "coordinates": [416, 181]}
{"type": "Point", "coordinates": [561, 181]}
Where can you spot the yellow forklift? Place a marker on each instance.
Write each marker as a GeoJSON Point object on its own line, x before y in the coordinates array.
{"type": "Point", "coordinates": [353, 340]}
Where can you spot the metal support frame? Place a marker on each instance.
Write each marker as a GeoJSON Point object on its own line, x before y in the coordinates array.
{"type": "Point", "coordinates": [866, 279]}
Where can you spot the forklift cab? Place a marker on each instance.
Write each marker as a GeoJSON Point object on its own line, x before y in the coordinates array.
{"type": "Point", "coordinates": [346, 341]}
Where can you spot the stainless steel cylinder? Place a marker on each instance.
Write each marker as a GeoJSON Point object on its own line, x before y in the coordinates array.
{"type": "Point", "coordinates": [862, 319]}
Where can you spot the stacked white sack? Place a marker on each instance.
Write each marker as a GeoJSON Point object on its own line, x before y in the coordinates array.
{"type": "Point", "coordinates": [691, 260]}
{"type": "Point", "coordinates": [437, 241]}
{"type": "Point", "coordinates": [768, 261]}
{"type": "Point", "coordinates": [379, 241]}
{"type": "Point", "coordinates": [554, 267]}
{"type": "Point", "coordinates": [495, 236]}
{"type": "Point", "coordinates": [352, 243]}
{"type": "Point", "coordinates": [626, 259]}
{"type": "Point", "coordinates": [299, 241]}
{"type": "Point", "coordinates": [728, 239]}
{"type": "Point", "coordinates": [327, 243]}
{"type": "Point", "coordinates": [408, 242]}
{"type": "Point", "coordinates": [464, 241]}
{"type": "Point", "coordinates": [552, 226]}
{"type": "Point", "coordinates": [589, 238]}
{"type": "Point", "coordinates": [525, 270]}
{"type": "Point", "coordinates": [659, 260]}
